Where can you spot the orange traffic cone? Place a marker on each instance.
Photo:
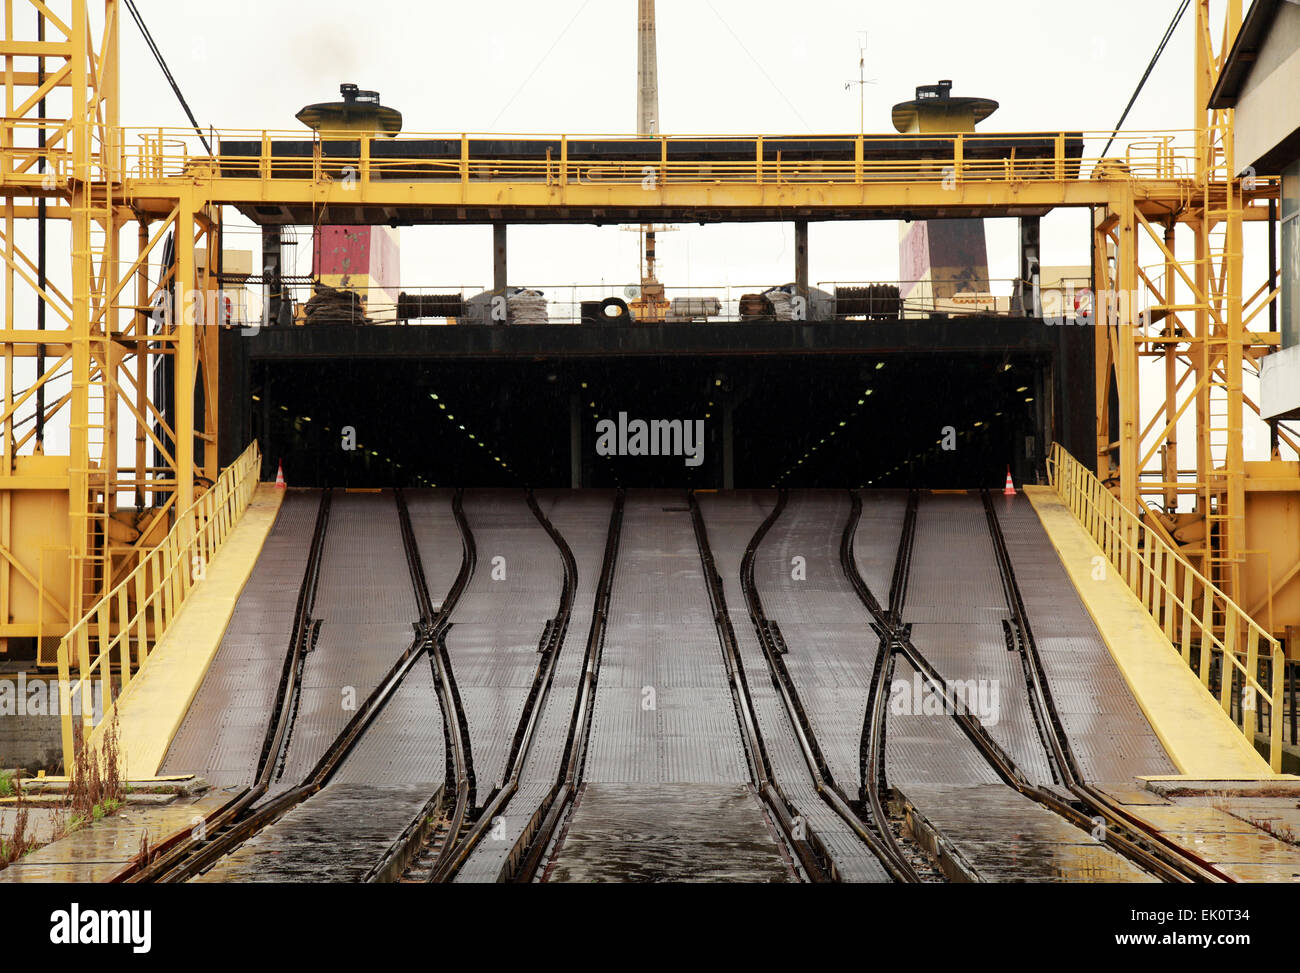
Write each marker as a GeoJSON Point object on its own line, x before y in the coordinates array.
{"type": "Point", "coordinates": [1010, 489]}
{"type": "Point", "coordinates": [279, 477]}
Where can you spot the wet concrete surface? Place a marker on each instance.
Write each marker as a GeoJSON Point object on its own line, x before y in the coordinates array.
{"type": "Point", "coordinates": [1234, 844]}
{"type": "Point", "coordinates": [668, 833]}
{"type": "Point", "coordinates": [1001, 836]}
{"type": "Point", "coordinates": [101, 849]}
{"type": "Point", "coordinates": [42, 822]}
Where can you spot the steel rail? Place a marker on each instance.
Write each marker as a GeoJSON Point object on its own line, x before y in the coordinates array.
{"type": "Point", "coordinates": [240, 830]}
{"type": "Point", "coordinates": [1160, 865]}
{"type": "Point", "coordinates": [1137, 839]}
{"type": "Point", "coordinates": [552, 642]}
{"type": "Point", "coordinates": [872, 748]}
{"type": "Point", "coordinates": [525, 858]}
{"type": "Point", "coordinates": [180, 845]}
{"type": "Point", "coordinates": [460, 761]}
{"type": "Point", "coordinates": [879, 839]}
{"type": "Point", "coordinates": [812, 853]}
{"type": "Point", "coordinates": [234, 829]}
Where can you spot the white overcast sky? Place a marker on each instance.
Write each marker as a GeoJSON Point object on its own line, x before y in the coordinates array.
{"type": "Point", "coordinates": [725, 66]}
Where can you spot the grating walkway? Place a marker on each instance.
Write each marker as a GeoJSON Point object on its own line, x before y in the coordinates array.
{"type": "Point", "coordinates": [956, 607]}
{"type": "Point", "coordinates": [832, 647]}
{"type": "Point", "coordinates": [497, 625]}
{"type": "Point", "coordinates": [582, 518]}
{"type": "Point", "coordinates": [221, 736]}
{"type": "Point", "coordinates": [366, 605]}
{"type": "Point", "coordinates": [732, 518]}
{"type": "Point", "coordinates": [663, 711]}
{"type": "Point", "coordinates": [1110, 736]}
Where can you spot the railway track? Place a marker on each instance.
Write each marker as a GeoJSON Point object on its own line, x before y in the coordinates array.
{"type": "Point", "coordinates": [812, 854]}
{"type": "Point", "coordinates": [528, 853]}
{"type": "Point", "coordinates": [428, 839]}
{"type": "Point", "coordinates": [874, 829]}
{"type": "Point", "coordinates": [187, 854]}
{"type": "Point", "coordinates": [875, 782]}
{"type": "Point", "coordinates": [452, 845]}
{"type": "Point", "coordinates": [1087, 807]}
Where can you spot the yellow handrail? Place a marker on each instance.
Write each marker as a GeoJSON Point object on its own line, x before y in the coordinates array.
{"type": "Point", "coordinates": [156, 153]}
{"type": "Point", "coordinates": [1196, 616]}
{"type": "Point", "coordinates": [120, 628]}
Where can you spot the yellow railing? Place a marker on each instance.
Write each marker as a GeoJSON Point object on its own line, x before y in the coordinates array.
{"type": "Point", "coordinates": [112, 640]}
{"type": "Point", "coordinates": [652, 161]}
{"type": "Point", "coordinates": [1197, 618]}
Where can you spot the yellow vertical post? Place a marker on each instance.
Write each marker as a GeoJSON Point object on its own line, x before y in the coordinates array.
{"type": "Point", "coordinates": [82, 285]}
{"type": "Point", "coordinates": [141, 367]}
{"type": "Point", "coordinates": [1128, 336]}
{"type": "Point", "coordinates": [1169, 456]}
{"type": "Point", "coordinates": [184, 314]}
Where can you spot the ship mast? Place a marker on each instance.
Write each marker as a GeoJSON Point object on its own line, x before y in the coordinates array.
{"type": "Point", "coordinates": [652, 306]}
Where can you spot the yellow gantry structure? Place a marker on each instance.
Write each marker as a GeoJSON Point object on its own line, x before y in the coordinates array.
{"type": "Point", "coordinates": [77, 519]}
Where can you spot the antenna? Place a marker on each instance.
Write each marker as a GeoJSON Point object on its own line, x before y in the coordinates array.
{"type": "Point", "coordinates": [862, 83]}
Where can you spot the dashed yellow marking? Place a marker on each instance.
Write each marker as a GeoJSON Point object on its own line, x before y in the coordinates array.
{"type": "Point", "coordinates": [1198, 736]}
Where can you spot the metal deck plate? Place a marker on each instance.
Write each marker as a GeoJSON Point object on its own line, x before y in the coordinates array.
{"type": "Point", "coordinates": [1008, 838]}
{"type": "Point", "coordinates": [336, 836]}
{"type": "Point", "coordinates": [661, 650]}
{"type": "Point", "coordinates": [669, 833]}
{"type": "Point", "coordinates": [1107, 730]}
{"type": "Point", "coordinates": [956, 605]}
{"type": "Point", "coordinates": [366, 602]}
{"type": "Point", "coordinates": [832, 647]}
{"type": "Point", "coordinates": [221, 736]}
{"type": "Point", "coordinates": [731, 519]}
{"type": "Point", "coordinates": [498, 622]}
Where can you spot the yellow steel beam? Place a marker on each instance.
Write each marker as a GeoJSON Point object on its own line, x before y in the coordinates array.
{"type": "Point", "coordinates": [828, 198]}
